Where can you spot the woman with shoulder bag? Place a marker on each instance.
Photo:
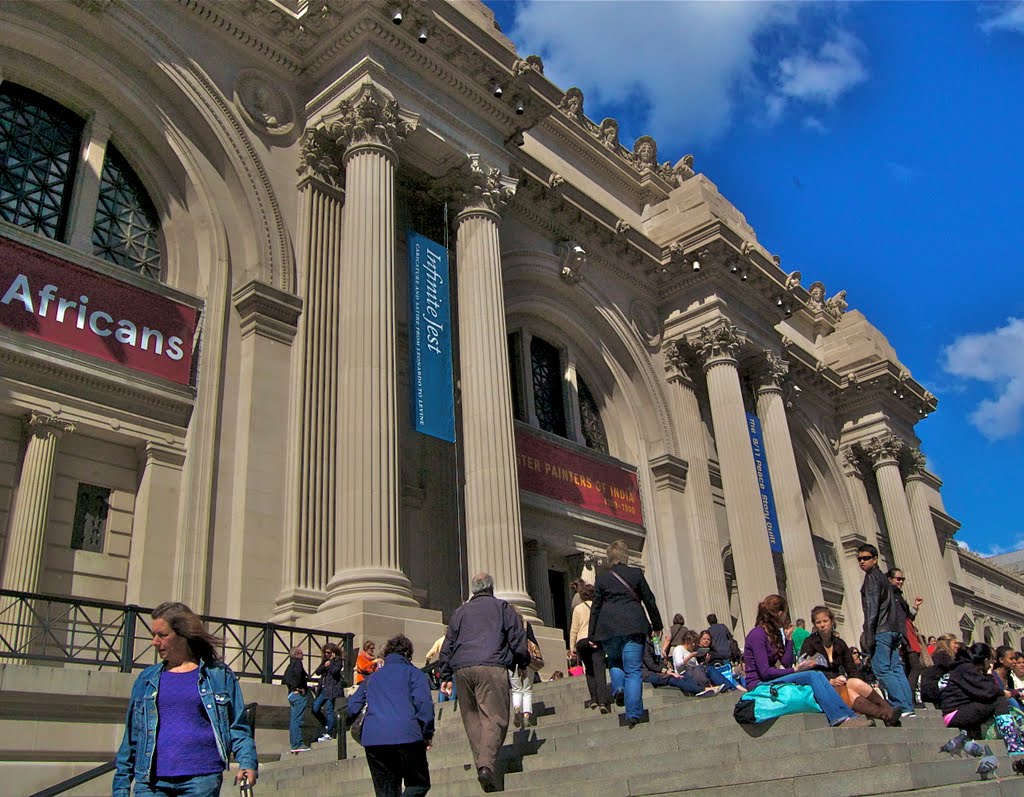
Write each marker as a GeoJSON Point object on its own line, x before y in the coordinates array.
{"type": "Point", "coordinates": [768, 656]}
{"type": "Point", "coordinates": [398, 726]}
{"type": "Point", "coordinates": [590, 654]}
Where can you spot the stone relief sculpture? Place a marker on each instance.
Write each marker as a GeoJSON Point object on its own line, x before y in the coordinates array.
{"type": "Point", "coordinates": [572, 104]}
{"type": "Point", "coordinates": [646, 322]}
{"type": "Point", "coordinates": [531, 63]}
{"type": "Point", "coordinates": [572, 261]}
{"type": "Point", "coordinates": [793, 281]}
{"type": "Point", "coordinates": [263, 106]}
{"type": "Point", "coordinates": [683, 170]}
{"type": "Point", "coordinates": [837, 305]}
{"type": "Point", "coordinates": [817, 300]}
{"type": "Point", "coordinates": [645, 153]}
{"type": "Point", "coordinates": [609, 134]}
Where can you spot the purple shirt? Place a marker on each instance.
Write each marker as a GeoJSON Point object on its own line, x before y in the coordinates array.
{"type": "Point", "coordinates": [759, 656]}
{"type": "Point", "coordinates": [185, 743]}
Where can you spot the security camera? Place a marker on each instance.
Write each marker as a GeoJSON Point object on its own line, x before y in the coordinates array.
{"type": "Point", "coordinates": [696, 265]}
{"type": "Point", "coordinates": [422, 35]}
{"type": "Point", "coordinates": [397, 17]}
{"type": "Point", "coordinates": [496, 89]}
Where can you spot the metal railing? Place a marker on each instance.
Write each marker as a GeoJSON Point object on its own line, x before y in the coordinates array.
{"type": "Point", "coordinates": [35, 627]}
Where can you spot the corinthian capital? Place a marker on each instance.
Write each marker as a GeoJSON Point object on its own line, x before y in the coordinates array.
{"type": "Point", "coordinates": [717, 343]}
{"type": "Point", "coordinates": [678, 361]}
{"type": "Point", "coordinates": [913, 462]}
{"type": "Point", "coordinates": [887, 447]}
{"type": "Point", "coordinates": [321, 157]}
{"type": "Point", "coordinates": [772, 370]}
{"type": "Point", "coordinates": [481, 186]}
{"type": "Point", "coordinates": [369, 117]}
{"type": "Point", "coordinates": [39, 425]}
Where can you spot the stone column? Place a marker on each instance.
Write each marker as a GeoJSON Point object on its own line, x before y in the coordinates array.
{"type": "Point", "coordinates": [698, 535]}
{"type": "Point", "coordinates": [26, 540]}
{"type": "Point", "coordinates": [937, 615]}
{"type": "Point", "coordinates": [366, 562]}
{"type": "Point", "coordinates": [856, 470]}
{"type": "Point", "coordinates": [493, 524]}
{"type": "Point", "coordinates": [803, 584]}
{"type": "Point", "coordinates": [309, 551]}
{"type": "Point", "coordinates": [884, 452]}
{"type": "Point", "coordinates": [536, 555]}
{"type": "Point", "coordinates": [752, 555]}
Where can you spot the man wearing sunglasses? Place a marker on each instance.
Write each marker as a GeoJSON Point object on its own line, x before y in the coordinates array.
{"type": "Point", "coordinates": [885, 623]}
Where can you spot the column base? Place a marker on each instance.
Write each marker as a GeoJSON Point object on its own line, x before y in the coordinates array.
{"type": "Point", "coordinates": [291, 606]}
{"type": "Point", "coordinates": [381, 620]}
{"type": "Point", "coordinates": [378, 584]}
{"type": "Point", "coordinates": [524, 603]}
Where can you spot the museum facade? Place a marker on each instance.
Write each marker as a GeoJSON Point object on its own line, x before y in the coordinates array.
{"type": "Point", "coordinates": [213, 363]}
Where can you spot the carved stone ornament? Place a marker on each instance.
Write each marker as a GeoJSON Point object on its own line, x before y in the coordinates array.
{"type": "Point", "coordinates": [747, 248]}
{"type": "Point", "coordinates": [40, 425]}
{"type": "Point", "coordinates": [679, 361]}
{"type": "Point", "coordinates": [645, 322]}
{"type": "Point", "coordinates": [572, 261]}
{"type": "Point", "coordinates": [608, 133]}
{"type": "Point", "coordinates": [721, 342]}
{"type": "Point", "coordinates": [887, 447]}
{"type": "Point", "coordinates": [852, 463]}
{"type": "Point", "coordinates": [683, 169]}
{"type": "Point", "coordinates": [817, 300]}
{"type": "Point", "coordinates": [913, 461]}
{"type": "Point", "coordinates": [837, 305]}
{"type": "Point", "coordinates": [773, 370]}
{"type": "Point", "coordinates": [645, 153]}
{"type": "Point", "coordinates": [622, 226]}
{"type": "Point", "coordinates": [264, 107]}
{"type": "Point", "coordinates": [532, 63]}
{"type": "Point", "coordinates": [793, 281]}
{"type": "Point", "coordinates": [481, 186]}
{"type": "Point", "coordinates": [572, 104]}
{"type": "Point", "coordinates": [555, 180]}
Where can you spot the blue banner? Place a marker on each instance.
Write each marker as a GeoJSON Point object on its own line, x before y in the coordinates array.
{"type": "Point", "coordinates": [764, 483]}
{"type": "Point", "coordinates": [430, 339]}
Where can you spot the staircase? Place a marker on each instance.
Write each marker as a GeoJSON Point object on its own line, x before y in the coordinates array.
{"type": "Point", "coordinates": [690, 746]}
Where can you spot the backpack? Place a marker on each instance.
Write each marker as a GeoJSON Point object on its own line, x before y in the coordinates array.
{"type": "Point", "coordinates": [772, 700]}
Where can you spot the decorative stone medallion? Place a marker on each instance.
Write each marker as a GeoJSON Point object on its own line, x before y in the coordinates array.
{"type": "Point", "coordinates": [265, 108]}
{"type": "Point", "coordinates": [646, 322]}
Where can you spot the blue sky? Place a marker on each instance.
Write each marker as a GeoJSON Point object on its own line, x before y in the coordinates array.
{"type": "Point", "coordinates": [876, 147]}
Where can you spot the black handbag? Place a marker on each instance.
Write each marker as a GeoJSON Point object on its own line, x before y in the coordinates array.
{"type": "Point", "coordinates": [356, 729]}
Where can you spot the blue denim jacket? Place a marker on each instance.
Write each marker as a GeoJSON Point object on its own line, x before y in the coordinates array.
{"type": "Point", "coordinates": [222, 698]}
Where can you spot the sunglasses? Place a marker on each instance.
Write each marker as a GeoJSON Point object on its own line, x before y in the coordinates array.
{"type": "Point", "coordinates": [899, 578]}
{"type": "Point", "coordinates": [865, 558]}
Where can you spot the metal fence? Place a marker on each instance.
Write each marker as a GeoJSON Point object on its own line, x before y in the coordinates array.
{"type": "Point", "coordinates": [48, 628]}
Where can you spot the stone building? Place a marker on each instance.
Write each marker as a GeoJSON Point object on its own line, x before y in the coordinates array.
{"type": "Point", "coordinates": [223, 418]}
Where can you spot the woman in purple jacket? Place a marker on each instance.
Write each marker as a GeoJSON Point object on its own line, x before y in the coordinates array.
{"type": "Point", "coordinates": [768, 656]}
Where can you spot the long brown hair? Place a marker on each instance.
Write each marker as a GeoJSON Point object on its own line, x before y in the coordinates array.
{"type": "Point", "coordinates": [772, 616]}
{"type": "Point", "coordinates": [187, 624]}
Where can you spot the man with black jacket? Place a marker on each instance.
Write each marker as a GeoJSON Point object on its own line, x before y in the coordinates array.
{"type": "Point", "coordinates": [485, 639]}
{"type": "Point", "coordinates": [295, 679]}
{"type": "Point", "coordinates": [885, 622]}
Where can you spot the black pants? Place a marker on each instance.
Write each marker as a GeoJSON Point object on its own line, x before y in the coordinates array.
{"type": "Point", "coordinates": [971, 716]}
{"type": "Point", "coordinates": [390, 764]}
{"type": "Point", "coordinates": [914, 674]}
{"type": "Point", "coordinates": [592, 660]}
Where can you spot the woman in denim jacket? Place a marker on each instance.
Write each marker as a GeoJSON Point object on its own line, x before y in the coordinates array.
{"type": "Point", "coordinates": [185, 718]}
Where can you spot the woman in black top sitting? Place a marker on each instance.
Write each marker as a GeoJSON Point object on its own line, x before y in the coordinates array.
{"type": "Point", "coordinates": [972, 697]}
{"type": "Point", "coordinates": [841, 670]}
{"type": "Point", "coordinates": [934, 679]}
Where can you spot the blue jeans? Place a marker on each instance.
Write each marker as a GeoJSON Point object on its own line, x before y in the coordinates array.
{"type": "Point", "coordinates": [625, 657]}
{"type": "Point", "coordinates": [318, 711]}
{"type": "Point", "coordinates": [684, 683]}
{"type": "Point", "coordinates": [193, 786]}
{"type": "Point", "coordinates": [443, 698]}
{"type": "Point", "coordinates": [298, 703]}
{"type": "Point", "coordinates": [825, 695]}
{"type": "Point", "coordinates": [717, 679]}
{"type": "Point", "coordinates": [888, 667]}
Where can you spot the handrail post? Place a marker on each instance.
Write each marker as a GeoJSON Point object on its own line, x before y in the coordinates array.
{"type": "Point", "coordinates": [268, 653]}
{"type": "Point", "coordinates": [131, 615]}
{"type": "Point", "coordinates": [341, 726]}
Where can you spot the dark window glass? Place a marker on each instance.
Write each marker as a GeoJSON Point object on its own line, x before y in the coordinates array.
{"type": "Point", "coordinates": [515, 374]}
{"type": "Point", "coordinates": [39, 143]}
{"type": "Point", "coordinates": [590, 419]}
{"type": "Point", "coordinates": [547, 386]}
{"type": "Point", "coordinates": [91, 508]}
{"type": "Point", "coordinates": [126, 230]}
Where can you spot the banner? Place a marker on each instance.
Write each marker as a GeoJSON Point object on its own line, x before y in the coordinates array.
{"type": "Point", "coordinates": [63, 303]}
{"type": "Point", "coordinates": [554, 471]}
{"type": "Point", "coordinates": [430, 339]}
{"type": "Point", "coordinates": [764, 483]}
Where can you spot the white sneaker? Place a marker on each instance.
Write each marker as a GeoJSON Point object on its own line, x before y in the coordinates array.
{"type": "Point", "coordinates": [304, 748]}
{"type": "Point", "coordinates": [325, 738]}
{"type": "Point", "coordinates": [908, 715]}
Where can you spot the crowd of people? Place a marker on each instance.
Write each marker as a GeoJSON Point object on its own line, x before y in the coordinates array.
{"type": "Point", "coordinates": [489, 658]}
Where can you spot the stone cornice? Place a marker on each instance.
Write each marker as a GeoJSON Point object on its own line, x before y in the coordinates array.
{"type": "Point", "coordinates": [885, 384]}
{"type": "Point", "coordinates": [669, 472]}
{"type": "Point", "coordinates": [267, 311]}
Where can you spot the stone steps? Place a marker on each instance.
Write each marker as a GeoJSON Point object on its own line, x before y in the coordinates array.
{"type": "Point", "coordinates": [688, 745]}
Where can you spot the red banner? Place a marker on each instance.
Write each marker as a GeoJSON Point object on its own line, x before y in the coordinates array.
{"type": "Point", "coordinates": [548, 469]}
{"type": "Point", "coordinates": [51, 299]}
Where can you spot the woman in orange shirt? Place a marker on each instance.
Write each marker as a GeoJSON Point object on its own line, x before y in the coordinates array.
{"type": "Point", "coordinates": [366, 663]}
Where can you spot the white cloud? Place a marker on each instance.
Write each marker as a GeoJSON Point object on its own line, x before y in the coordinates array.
{"type": "Point", "coordinates": [1004, 16]}
{"type": "Point", "coordinates": [684, 69]}
{"type": "Point", "coordinates": [996, 357]}
{"type": "Point", "coordinates": [814, 124]}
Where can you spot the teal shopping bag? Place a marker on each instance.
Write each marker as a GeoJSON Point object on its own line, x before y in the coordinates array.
{"type": "Point", "coordinates": [770, 700]}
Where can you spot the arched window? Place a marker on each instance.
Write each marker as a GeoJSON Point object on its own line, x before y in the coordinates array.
{"type": "Point", "coordinates": [40, 148]}
{"type": "Point", "coordinates": [39, 145]}
{"type": "Point", "coordinates": [548, 393]}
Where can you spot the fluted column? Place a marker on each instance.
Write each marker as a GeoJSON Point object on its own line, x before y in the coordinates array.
{"type": "Point", "coordinates": [857, 470]}
{"type": "Point", "coordinates": [884, 452]}
{"type": "Point", "coordinates": [803, 584]}
{"type": "Point", "coordinates": [938, 614]}
{"type": "Point", "coordinates": [26, 540]}
{"type": "Point", "coordinates": [366, 558]}
{"type": "Point", "coordinates": [536, 555]}
{"type": "Point", "coordinates": [699, 548]}
{"type": "Point", "coordinates": [309, 552]}
{"type": "Point", "coordinates": [752, 555]}
{"type": "Point", "coordinates": [493, 524]}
